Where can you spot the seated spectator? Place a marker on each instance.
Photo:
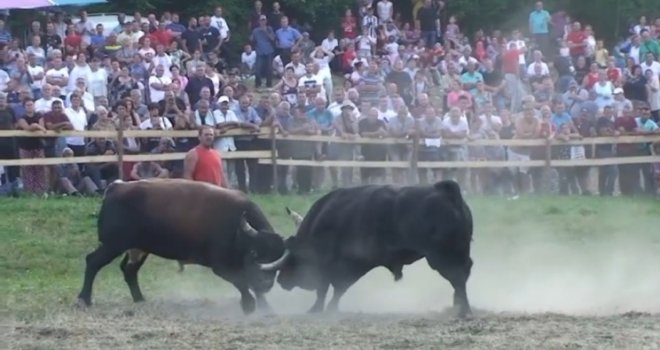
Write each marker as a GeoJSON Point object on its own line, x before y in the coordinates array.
{"type": "Point", "coordinates": [70, 180]}
{"type": "Point", "coordinates": [148, 170]}
{"type": "Point", "coordinates": [101, 173]}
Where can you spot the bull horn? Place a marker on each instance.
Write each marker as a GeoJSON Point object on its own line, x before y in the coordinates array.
{"type": "Point", "coordinates": [247, 228]}
{"type": "Point", "coordinates": [297, 218]}
{"type": "Point", "coordinates": [275, 264]}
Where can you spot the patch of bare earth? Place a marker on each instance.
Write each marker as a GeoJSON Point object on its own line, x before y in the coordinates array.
{"type": "Point", "coordinates": [206, 325]}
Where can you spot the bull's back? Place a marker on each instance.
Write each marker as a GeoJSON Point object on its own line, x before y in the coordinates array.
{"type": "Point", "coordinates": [169, 217]}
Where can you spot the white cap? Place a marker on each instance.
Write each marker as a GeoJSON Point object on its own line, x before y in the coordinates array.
{"type": "Point", "coordinates": [223, 99]}
{"type": "Point", "coordinates": [618, 91]}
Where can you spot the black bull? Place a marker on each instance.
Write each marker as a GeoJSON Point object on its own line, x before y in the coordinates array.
{"type": "Point", "coordinates": [186, 221]}
{"type": "Point", "coordinates": [350, 231]}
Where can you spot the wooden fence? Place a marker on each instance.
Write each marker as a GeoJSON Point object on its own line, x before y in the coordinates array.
{"type": "Point", "coordinates": [269, 156]}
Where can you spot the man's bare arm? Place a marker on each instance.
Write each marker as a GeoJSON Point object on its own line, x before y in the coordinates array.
{"type": "Point", "coordinates": [189, 164]}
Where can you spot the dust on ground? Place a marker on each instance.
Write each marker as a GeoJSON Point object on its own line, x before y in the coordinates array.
{"type": "Point", "coordinates": [189, 326]}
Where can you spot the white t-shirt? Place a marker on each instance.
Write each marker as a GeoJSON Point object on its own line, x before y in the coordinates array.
{"type": "Point", "coordinates": [224, 144]}
{"type": "Point", "coordinates": [34, 72]}
{"type": "Point", "coordinates": [98, 83]}
{"type": "Point", "coordinates": [78, 72]}
{"type": "Point", "coordinates": [220, 24]}
{"type": "Point", "coordinates": [461, 126]}
{"type": "Point", "coordinates": [164, 124]}
{"type": "Point", "coordinates": [165, 61]}
{"type": "Point", "coordinates": [655, 67]}
{"type": "Point", "coordinates": [249, 59]}
{"type": "Point", "coordinates": [531, 69]}
{"type": "Point", "coordinates": [384, 10]}
{"type": "Point", "coordinates": [488, 125]}
{"type": "Point", "coordinates": [312, 82]}
{"type": "Point", "coordinates": [79, 121]}
{"type": "Point", "coordinates": [144, 51]}
{"type": "Point", "coordinates": [329, 44]}
{"type": "Point", "coordinates": [43, 105]}
{"type": "Point", "coordinates": [62, 76]}
{"type": "Point", "coordinates": [158, 95]}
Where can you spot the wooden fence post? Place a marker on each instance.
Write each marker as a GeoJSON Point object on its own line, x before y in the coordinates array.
{"type": "Point", "coordinates": [415, 157]}
{"type": "Point", "coordinates": [120, 151]}
{"type": "Point", "coordinates": [548, 155]}
{"type": "Point", "coordinates": [273, 156]}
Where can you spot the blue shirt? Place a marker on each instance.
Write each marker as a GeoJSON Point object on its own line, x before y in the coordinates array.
{"type": "Point", "coordinates": [538, 21]}
{"type": "Point", "coordinates": [648, 125]}
{"type": "Point", "coordinates": [263, 45]}
{"type": "Point", "coordinates": [287, 37]}
{"type": "Point", "coordinates": [176, 27]}
{"type": "Point", "coordinates": [322, 117]}
{"type": "Point", "coordinates": [560, 119]}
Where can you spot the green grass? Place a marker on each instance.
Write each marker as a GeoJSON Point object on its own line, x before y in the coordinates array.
{"type": "Point", "coordinates": [44, 241]}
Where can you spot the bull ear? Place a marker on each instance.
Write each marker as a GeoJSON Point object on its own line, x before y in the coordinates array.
{"type": "Point", "coordinates": [247, 228]}
{"type": "Point", "coordinates": [297, 218]}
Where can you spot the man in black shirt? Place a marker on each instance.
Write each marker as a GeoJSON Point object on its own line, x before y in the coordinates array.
{"type": "Point", "coordinates": [191, 37]}
{"type": "Point", "coordinates": [494, 82]}
{"type": "Point", "coordinates": [196, 83]}
{"type": "Point", "coordinates": [8, 144]}
{"type": "Point", "coordinates": [429, 23]}
{"type": "Point", "coordinates": [210, 37]}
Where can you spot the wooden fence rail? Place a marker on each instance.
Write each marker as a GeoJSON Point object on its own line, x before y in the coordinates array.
{"type": "Point", "coordinates": [269, 156]}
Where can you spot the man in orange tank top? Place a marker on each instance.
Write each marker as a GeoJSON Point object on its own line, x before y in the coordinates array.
{"type": "Point", "coordinates": [203, 163]}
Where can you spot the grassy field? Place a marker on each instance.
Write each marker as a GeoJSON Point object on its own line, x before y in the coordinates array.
{"type": "Point", "coordinates": [571, 255]}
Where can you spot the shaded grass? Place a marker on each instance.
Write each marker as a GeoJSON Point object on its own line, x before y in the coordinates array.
{"type": "Point", "coordinates": [44, 241]}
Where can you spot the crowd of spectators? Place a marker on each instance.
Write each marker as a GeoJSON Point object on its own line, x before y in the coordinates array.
{"type": "Point", "coordinates": [380, 76]}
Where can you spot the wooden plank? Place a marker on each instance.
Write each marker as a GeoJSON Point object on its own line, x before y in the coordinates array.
{"type": "Point", "coordinates": [607, 161]}
{"type": "Point", "coordinates": [338, 163]}
{"type": "Point", "coordinates": [127, 158]}
{"type": "Point", "coordinates": [127, 133]}
{"type": "Point", "coordinates": [56, 161]}
{"type": "Point", "coordinates": [181, 155]}
{"type": "Point", "coordinates": [334, 139]}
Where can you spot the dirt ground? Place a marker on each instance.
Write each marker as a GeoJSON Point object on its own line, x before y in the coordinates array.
{"type": "Point", "coordinates": [204, 325]}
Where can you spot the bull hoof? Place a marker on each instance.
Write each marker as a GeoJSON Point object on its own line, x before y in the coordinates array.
{"type": "Point", "coordinates": [82, 303]}
{"type": "Point", "coordinates": [316, 309]}
{"type": "Point", "coordinates": [139, 300]}
{"type": "Point", "coordinates": [248, 305]}
{"type": "Point", "coordinates": [465, 314]}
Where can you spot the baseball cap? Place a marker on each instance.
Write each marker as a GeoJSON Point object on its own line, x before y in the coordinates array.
{"type": "Point", "coordinates": [618, 91]}
{"type": "Point", "coordinates": [223, 99]}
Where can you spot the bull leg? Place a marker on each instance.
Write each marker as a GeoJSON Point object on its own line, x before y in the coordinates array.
{"type": "Point", "coordinates": [262, 303]}
{"type": "Point", "coordinates": [130, 266]}
{"type": "Point", "coordinates": [321, 293]}
{"type": "Point", "coordinates": [181, 267]}
{"type": "Point", "coordinates": [457, 272]}
{"type": "Point", "coordinates": [248, 304]}
{"type": "Point", "coordinates": [95, 261]}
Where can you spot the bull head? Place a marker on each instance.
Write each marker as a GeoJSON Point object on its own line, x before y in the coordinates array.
{"type": "Point", "coordinates": [297, 218]}
{"type": "Point", "coordinates": [247, 228]}
{"type": "Point", "coordinates": [275, 264]}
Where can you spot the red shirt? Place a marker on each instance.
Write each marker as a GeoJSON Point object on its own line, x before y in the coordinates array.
{"type": "Point", "coordinates": [613, 74]}
{"type": "Point", "coordinates": [349, 27]}
{"type": "Point", "coordinates": [577, 38]}
{"type": "Point", "coordinates": [163, 37]}
{"type": "Point", "coordinates": [73, 40]}
{"type": "Point", "coordinates": [209, 166]}
{"type": "Point", "coordinates": [592, 79]}
{"type": "Point", "coordinates": [511, 61]}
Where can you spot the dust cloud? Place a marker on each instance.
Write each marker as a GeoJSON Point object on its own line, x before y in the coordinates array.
{"type": "Point", "coordinates": [531, 273]}
{"type": "Point", "coordinates": [551, 275]}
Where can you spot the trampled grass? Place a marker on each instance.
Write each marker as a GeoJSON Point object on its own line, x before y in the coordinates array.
{"type": "Point", "coordinates": [44, 242]}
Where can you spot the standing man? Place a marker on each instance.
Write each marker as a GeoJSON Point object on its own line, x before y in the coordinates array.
{"type": "Point", "coordinates": [287, 39]}
{"type": "Point", "coordinates": [203, 163]}
{"type": "Point", "coordinates": [263, 38]}
{"type": "Point", "coordinates": [539, 21]}
{"type": "Point", "coordinates": [429, 23]}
